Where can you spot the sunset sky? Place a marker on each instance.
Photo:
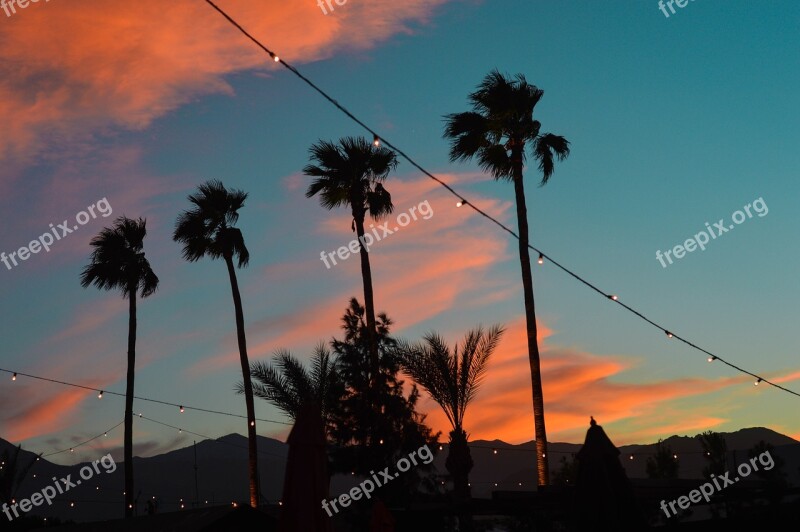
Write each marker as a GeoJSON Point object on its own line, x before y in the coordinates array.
{"type": "Point", "coordinates": [673, 122]}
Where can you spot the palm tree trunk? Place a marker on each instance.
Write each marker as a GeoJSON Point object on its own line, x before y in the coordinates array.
{"type": "Point", "coordinates": [459, 464]}
{"type": "Point", "coordinates": [128, 444]}
{"type": "Point", "coordinates": [252, 447]}
{"type": "Point", "coordinates": [542, 468]}
{"type": "Point", "coordinates": [369, 303]}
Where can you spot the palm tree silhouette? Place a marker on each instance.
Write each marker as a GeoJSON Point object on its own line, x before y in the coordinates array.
{"type": "Point", "coordinates": [118, 263]}
{"type": "Point", "coordinates": [288, 385]}
{"type": "Point", "coordinates": [497, 131]}
{"type": "Point", "coordinates": [208, 230]}
{"type": "Point", "coordinates": [452, 379]}
{"type": "Point", "coordinates": [352, 174]}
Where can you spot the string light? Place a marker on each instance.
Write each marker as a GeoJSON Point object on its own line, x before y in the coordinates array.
{"type": "Point", "coordinates": [461, 202]}
{"type": "Point", "coordinates": [712, 358]}
{"type": "Point", "coordinates": [613, 297]}
{"type": "Point", "coordinates": [758, 381]}
{"type": "Point", "coordinates": [100, 395]}
{"type": "Point", "coordinates": [450, 189]}
{"type": "Point", "coordinates": [376, 141]}
{"type": "Point", "coordinates": [148, 399]}
{"type": "Point", "coordinates": [669, 334]}
{"type": "Point", "coordinates": [14, 377]}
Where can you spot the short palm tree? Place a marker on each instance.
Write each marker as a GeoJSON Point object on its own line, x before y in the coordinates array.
{"type": "Point", "coordinates": [207, 230]}
{"type": "Point", "coordinates": [498, 131]}
{"type": "Point", "coordinates": [452, 378]}
{"type": "Point", "coordinates": [288, 385]}
{"type": "Point", "coordinates": [118, 263]}
{"type": "Point", "coordinates": [351, 174]}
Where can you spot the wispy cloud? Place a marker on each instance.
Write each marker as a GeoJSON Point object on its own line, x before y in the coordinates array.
{"type": "Point", "coordinates": [71, 71]}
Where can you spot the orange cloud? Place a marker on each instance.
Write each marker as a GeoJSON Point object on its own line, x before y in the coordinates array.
{"type": "Point", "coordinates": [72, 70]}
{"type": "Point", "coordinates": [576, 385]}
{"type": "Point", "coordinates": [43, 415]}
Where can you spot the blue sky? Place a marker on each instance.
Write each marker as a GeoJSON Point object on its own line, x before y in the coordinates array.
{"type": "Point", "coordinates": [673, 122]}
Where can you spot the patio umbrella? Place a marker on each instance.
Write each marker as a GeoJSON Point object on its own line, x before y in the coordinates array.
{"type": "Point", "coordinates": [604, 497]}
{"type": "Point", "coordinates": [305, 485]}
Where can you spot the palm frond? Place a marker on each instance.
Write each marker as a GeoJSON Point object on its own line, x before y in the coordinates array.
{"type": "Point", "coordinates": [118, 262]}
{"type": "Point", "coordinates": [351, 173]}
{"type": "Point", "coordinates": [451, 378]}
{"type": "Point", "coordinates": [207, 229]}
{"type": "Point", "coordinates": [545, 148]}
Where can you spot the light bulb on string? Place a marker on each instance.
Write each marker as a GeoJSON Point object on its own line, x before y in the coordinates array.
{"type": "Point", "coordinates": [541, 259]}
{"type": "Point", "coordinates": [100, 395]}
{"type": "Point", "coordinates": [181, 407]}
{"type": "Point", "coordinates": [758, 381]}
{"type": "Point", "coordinates": [669, 334]}
{"type": "Point", "coordinates": [14, 377]}
{"type": "Point", "coordinates": [376, 141]}
{"type": "Point", "coordinates": [712, 358]}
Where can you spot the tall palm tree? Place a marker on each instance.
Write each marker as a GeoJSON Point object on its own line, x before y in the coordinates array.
{"type": "Point", "coordinates": [352, 173]}
{"type": "Point", "coordinates": [288, 385]}
{"type": "Point", "coordinates": [207, 230]}
{"type": "Point", "coordinates": [118, 263]}
{"type": "Point", "coordinates": [498, 131]}
{"type": "Point", "coordinates": [452, 379]}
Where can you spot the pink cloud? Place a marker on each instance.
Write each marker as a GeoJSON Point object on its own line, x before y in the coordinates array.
{"type": "Point", "coordinates": [72, 70]}
{"type": "Point", "coordinates": [576, 385]}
